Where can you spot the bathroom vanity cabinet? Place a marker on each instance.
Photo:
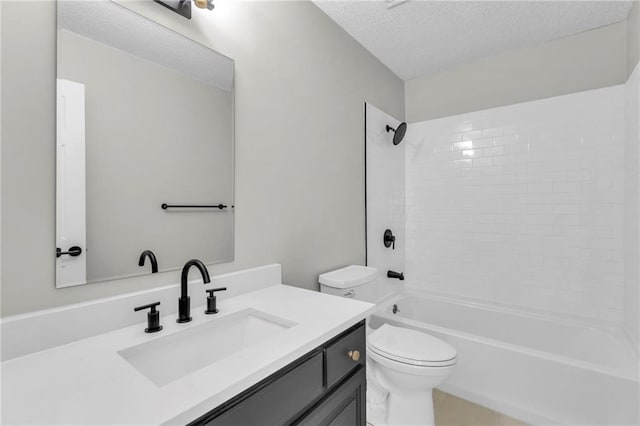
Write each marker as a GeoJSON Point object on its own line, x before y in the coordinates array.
{"type": "Point", "coordinates": [324, 387]}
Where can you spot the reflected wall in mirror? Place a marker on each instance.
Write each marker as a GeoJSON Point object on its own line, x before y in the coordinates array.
{"type": "Point", "coordinates": [144, 118]}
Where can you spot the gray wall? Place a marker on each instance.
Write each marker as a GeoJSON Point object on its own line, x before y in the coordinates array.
{"type": "Point", "coordinates": [300, 87]}
{"type": "Point", "coordinates": [633, 37]}
{"type": "Point", "coordinates": [584, 61]}
{"type": "Point", "coordinates": [632, 179]}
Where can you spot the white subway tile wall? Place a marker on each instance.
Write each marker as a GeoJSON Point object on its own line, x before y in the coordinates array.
{"type": "Point", "coordinates": [522, 204]}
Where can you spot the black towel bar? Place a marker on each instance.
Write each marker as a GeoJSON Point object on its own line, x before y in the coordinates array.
{"type": "Point", "coordinates": [166, 206]}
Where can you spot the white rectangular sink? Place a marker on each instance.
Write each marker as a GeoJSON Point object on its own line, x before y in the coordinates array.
{"type": "Point", "coordinates": [171, 357]}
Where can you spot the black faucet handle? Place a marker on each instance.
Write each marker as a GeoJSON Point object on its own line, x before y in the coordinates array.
{"type": "Point", "coordinates": [153, 317]}
{"type": "Point", "coordinates": [211, 300]}
{"type": "Point", "coordinates": [150, 305]}
{"type": "Point", "coordinates": [389, 239]}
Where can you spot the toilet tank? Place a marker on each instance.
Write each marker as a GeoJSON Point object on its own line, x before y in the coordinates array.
{"type": "Point", "coordinates": [350, 281]}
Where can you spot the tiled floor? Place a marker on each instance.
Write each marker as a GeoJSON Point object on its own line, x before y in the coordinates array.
{"type": "Point", "coordinates": [453, 411]}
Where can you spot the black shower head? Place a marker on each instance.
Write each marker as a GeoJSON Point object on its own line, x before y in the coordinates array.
{"type": "Point", "coordinates": [398, 132]}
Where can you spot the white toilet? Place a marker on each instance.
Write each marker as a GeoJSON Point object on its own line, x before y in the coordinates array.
{"type": "Point", "coordinates": [405, 363]}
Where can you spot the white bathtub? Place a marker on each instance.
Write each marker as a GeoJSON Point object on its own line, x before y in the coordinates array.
{"type": "Point", "coordinates": [533, 367]}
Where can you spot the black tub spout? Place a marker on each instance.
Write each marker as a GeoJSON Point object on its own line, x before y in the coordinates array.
{"type": "Point", "coordinates": [394, 274]}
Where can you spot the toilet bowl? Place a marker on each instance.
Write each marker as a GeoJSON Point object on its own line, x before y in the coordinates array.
{"type": "Point", "coordinates": [408, 364]}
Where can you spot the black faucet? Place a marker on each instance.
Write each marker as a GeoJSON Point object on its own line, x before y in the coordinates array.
{"type": "Point", "coordinates": [152, 259]}
{"type": "Point", "coordinates": [394, 274]}
{"type": "Point", "coordinates": [184, 302]}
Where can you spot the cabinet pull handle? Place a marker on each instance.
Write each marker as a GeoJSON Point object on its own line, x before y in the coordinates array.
{"type": "Point", "coordinates": [354, 355]}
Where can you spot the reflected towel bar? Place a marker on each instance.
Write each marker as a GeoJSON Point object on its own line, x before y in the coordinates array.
{"type": "Point", "coordinates": [192, 206]}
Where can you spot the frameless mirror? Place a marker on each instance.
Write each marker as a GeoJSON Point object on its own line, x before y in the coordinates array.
{"type": "Point", "coordinates": [144, 146]}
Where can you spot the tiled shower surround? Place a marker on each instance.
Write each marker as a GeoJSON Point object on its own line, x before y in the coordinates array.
{"type": "Point", "coordinates": [522, 205]}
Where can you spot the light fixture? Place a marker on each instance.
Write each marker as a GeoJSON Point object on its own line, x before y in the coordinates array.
{"type": "Point", "coordinates": [183, 7]}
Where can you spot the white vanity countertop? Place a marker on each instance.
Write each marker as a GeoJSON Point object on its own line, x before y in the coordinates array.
{"type": "Point", "coordinates": [88, 382]}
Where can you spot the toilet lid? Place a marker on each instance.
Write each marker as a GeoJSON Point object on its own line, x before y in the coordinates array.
{"type": "Point", "coordinates": [411, 347]}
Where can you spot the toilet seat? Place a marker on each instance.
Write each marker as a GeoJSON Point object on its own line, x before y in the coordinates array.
{"type": "Point", "coordinates": [411, 347]}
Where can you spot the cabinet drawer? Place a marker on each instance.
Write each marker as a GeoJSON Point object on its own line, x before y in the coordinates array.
{"type": "Point", "coordinates": [277, 401]}
{"type": "Point", "coordinates": [339, 364]}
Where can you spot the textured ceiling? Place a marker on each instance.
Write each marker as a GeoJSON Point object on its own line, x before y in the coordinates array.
{"type": "Point", "coordinates": [118, 27]}
{"type": "Point", "coordinates": [417, 37]}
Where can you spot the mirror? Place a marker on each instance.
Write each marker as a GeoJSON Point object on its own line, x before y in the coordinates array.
{"type": "Point", "coordinates": [144, 119]}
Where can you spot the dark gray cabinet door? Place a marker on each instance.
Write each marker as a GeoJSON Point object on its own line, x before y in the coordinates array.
{"type": "Point", "coordinates": [324, 387]}
{"type": "Point", "coordinates": [279, 401]}
{"type": "Point", "coordinates": [343, 407]}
